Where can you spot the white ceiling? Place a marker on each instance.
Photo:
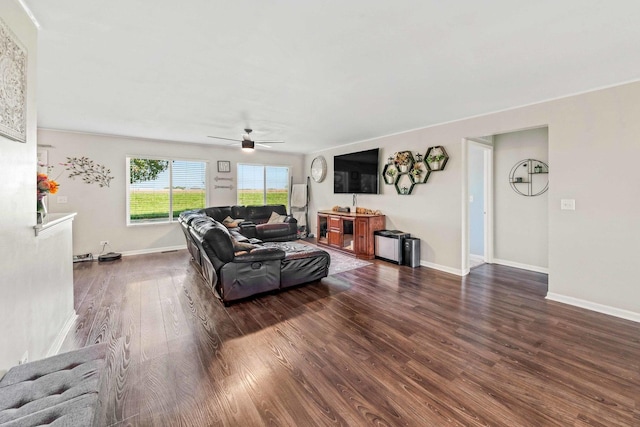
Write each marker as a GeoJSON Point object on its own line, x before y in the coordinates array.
{"type": "Point", "coordinates": [317, 73]}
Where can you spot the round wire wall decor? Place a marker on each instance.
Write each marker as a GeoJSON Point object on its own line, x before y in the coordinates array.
{"type": "Point", "coordinates": [529, 177]}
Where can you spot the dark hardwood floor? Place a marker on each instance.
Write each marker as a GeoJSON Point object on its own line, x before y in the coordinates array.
{"type": "Point", "coordinates": [380, 345]}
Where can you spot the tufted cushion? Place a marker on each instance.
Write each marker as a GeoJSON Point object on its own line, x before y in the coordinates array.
{"type": "Point", "coordinates": [79, 411]}
{"type": "Point", "coordinates": [44, 388]}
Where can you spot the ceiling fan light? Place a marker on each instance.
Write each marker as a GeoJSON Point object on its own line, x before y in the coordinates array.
{"type": "Point", "coordinates": [247, 145]}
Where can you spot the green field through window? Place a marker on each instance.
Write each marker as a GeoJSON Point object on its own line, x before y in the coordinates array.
{"type": "Point", "coordinates": [155, 204]}
{"type": "Point", "coordinates": [176, 186]}
{"type": "Point", "coordinates": [261, 184]}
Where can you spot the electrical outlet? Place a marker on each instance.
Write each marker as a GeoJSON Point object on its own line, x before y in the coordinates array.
{"type": "Point", "coordinates": [568, 204]}
{"type": "Point", "coordinates": [104, 242]}
{"type": "Point", "coordinates": [25, 358]}
{"type": "Point", "coordinates": [62, 199]}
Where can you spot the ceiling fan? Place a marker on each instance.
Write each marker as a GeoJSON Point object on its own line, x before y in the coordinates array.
{"type": "Point", "coordinates": [248, 143]}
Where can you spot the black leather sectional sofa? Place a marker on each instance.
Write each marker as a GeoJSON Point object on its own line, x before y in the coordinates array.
{"type": "Point", "coordinates": [255, 223]}
{"type": "Point", "coordinates": [237, 266]}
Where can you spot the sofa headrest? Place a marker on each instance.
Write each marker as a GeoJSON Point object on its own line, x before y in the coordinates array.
{"type": "Point", "coordinates": [219, 213]}
{"type": "Point", "coordinates": [238, 212]}
{"type": "Point", "coordinates": [187, 216]}
{"type": "Point", "coordinates": [263, 212]}
{"type": "Point", "coordinates": [214, 236]}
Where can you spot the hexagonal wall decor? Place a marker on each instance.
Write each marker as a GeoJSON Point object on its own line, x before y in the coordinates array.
{"type": "Point", "coordinates": [404, 161]}
{"type": "Point", "coordinates": [420, 172]}
{"type": "Point", "coordinates": [404, 171]}
{"type": "Point", "coordinates": [436, 158]}
{"type": "Point", "coordinates": [390, 173]}
{"type": "Point", "coordinates": [404, 184]}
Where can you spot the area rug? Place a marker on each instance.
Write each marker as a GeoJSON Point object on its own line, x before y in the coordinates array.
{"type": "Point", "coordinates": [341, 262]}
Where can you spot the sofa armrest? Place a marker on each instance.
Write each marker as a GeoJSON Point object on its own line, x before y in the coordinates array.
{"type": "Point", "coordinates": [290, 220]}
{"type": "Point", "coordinates": [260, 254]}
{"type": "Point", "coordinates": [248, 229]}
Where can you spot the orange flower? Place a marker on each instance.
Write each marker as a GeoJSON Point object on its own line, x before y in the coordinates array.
{"type": "Point", "coordinates": [45, 185]}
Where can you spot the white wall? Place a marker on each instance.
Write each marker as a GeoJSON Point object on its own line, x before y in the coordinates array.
{"type": "Point", "coordinates": [476, 206]}
{"type": "Point", "coordinates": [592, 250]}
{"type": "Point", "coordinates": [102, 211]}
{"type": "Point", "coordinates": [32, 311]}
{"type": "Point", "coordinates": [520, 223]}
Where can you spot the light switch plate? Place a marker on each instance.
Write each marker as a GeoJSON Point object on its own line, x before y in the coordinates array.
{"type": "Point", "coordinates": [568, 204]}
{"type": "Point", "coordinates": [62, 199]}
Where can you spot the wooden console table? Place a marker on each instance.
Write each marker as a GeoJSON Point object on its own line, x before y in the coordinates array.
{"type": "Point", "coordinates": [349, 232]}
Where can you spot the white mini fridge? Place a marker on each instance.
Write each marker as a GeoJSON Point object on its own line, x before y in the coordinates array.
{"type": "Point", "coordinates": [389, 245]}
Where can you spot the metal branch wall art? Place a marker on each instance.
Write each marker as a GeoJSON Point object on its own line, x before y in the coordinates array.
{"type": "Point", "coordinates": [89, 171]}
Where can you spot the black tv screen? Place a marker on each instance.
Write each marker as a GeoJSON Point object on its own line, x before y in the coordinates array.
{"type": "Point", "coordinates": [356, 172]}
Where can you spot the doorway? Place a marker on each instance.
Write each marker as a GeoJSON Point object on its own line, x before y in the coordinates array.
{"type": "Point", "coordinates": [477, 247]}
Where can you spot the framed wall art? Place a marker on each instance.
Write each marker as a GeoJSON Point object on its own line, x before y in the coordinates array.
{"type": "Point", "coordinates": [13, 86]}
{"type": "Point", "coordinates": [224, 166]}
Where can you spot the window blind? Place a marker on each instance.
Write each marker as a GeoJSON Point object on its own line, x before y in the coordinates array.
{"type": "Point", "coordinates": [159, 190]}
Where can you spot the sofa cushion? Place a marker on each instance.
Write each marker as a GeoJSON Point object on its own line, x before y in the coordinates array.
{"type": "Point", "coordinates": [219, 213]}
{"type": "Point", "coordinates": [263, 212]}
{"type": "Point", "coordinates": [302, 263]}
{"type": "Point", "coordinates": [186, 217]}
{"type": "Point", "coordinates": [215, 237]}
{"type": "Point", "coordinates": [276, 218]}
{"type": "Point", "coordinates": [239, 211]}
{"type": "Point", "coordinates": [231, 223]}
{"type": "Point", "coordinates": [79, 411]}
{"type": "Point", "coordinates": [54, 390]}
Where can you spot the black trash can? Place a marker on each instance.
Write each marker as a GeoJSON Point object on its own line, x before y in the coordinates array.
{"type": "Point", "coordinates": [411, 252]}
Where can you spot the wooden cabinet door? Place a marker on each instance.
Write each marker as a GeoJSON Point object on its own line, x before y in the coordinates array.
{"type": "Point", "coordinates": [361, 236]}
{"type": "Point", "coordinates": [335, 238]}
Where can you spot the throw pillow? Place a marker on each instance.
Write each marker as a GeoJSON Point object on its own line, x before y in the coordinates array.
{"type": "Point", "coordinates": [231, 223]}
{"type": "Point", "coordinates": [275, 218]}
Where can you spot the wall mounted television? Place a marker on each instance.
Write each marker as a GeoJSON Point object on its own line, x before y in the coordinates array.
{"type": "Point", "coordinates": [356, 173]}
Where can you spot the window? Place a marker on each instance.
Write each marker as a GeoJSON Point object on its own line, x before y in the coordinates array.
{"type": "Point", "coordinates": [158, 190]}
{"type": "Point", "coordinates": [263, 185]}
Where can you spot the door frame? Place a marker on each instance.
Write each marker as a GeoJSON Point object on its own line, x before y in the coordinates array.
{"type": "Point", "coordinates": [486, 144]}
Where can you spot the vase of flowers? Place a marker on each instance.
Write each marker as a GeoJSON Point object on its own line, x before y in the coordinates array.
{"type": "Point", "coordinates": [402, 160]}
{"type": "Point", "coordinates": [45, 185]}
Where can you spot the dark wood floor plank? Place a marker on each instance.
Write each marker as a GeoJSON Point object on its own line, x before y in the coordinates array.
{"type": "Point", "coordinates": [379, 345]}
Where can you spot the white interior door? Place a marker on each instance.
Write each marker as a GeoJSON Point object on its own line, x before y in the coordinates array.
{"type": "Point", "coordinates": [477, 203]}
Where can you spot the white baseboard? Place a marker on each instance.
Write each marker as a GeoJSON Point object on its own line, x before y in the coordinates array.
{"type": "Point", "coordinates": [152, 250]}
{"type": "Point", "coordinates": [57, 343]}
{"type": "Point", "coordinates": [593, 306]}
{"type": "Point", "coordinates": [476, 258]}
{"type": "Point", "coordinates": [522, 266]}
{"type": "Point", "coordinates": [444, 268]}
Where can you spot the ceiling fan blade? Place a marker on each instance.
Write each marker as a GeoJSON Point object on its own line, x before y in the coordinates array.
{"type": "Point", "coordinates": [262, 145]}
{"type": "Point", "coordinates": [226, 139]}
{"type": "Point", "coordinates": [269, 142]}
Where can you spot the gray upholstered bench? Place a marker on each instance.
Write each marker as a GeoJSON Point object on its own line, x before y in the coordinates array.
{"type": "Point", "coordinates": [63, 390]}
